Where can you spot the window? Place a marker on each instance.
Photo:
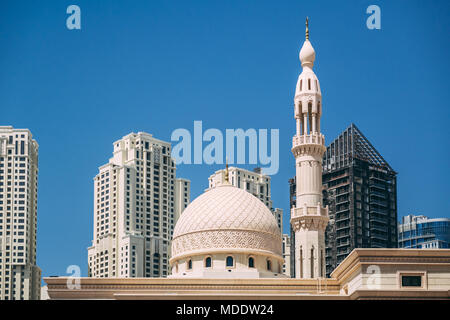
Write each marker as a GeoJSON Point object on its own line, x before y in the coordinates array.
{"type": "Point", "coordinates": [411, 281]}
{"type": "Point", "coordinates": [189, 264]}
{"type": "Point", "coordinates": [208, 262]}
{"type": "Point", "coordinates": [230, 261]}
{"type": "Point", "coordinates": [269, 265]}
{"type": "Point", "coordinates": [251, 262]}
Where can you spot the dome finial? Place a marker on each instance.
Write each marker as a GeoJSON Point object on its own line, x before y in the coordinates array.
{"type": "Point", "coordinates": [307, 29]}
{"type": "Point", "coordinates": [307, 54]}
{"type": "Point", "coordinates": [227, 180]}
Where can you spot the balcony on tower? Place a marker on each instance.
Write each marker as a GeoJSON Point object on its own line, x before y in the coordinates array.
{"type": "Point", "coordinates": [309, 211]}
{"type": "Point", "coordinates": [313, 138]}
{"type": "Point", "coordinates": [313, 143]}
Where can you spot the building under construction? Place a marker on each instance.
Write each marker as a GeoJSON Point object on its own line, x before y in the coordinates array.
{"type": "Point", "coordinates": [360, 190]}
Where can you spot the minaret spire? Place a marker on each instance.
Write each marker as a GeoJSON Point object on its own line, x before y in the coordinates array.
{"type": "Point", "coordinates": [309, 218]}
{"type": "Point", "coordinates": [307, 29]}
{"type": "Point", "coordinates": [307, 54]}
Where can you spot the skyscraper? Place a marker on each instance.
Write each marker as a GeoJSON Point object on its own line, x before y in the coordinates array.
{"type": "Point", "coordinates": [360, 189]}
{"type": "Point", "coordinates": [424, 233]}
{"type": "Point", "coordinates": [20, 277]}
{"type": "Point", "coordinates": [287, 255]}
{"type": "Point", "coordinates": [134, 210]}
{"type": "Point", "coordinates": [182, 196]}
{"type": "Point", "coordinates": [308, 218]}
{"type": "Point", "coordinates": [254, 182]}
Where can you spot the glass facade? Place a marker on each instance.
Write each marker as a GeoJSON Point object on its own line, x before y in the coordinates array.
{"type": "Point", "coordinates": [421, 232]}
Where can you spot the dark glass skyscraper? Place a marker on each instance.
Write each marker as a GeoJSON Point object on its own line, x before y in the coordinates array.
{"type": "Point", "coordinates": [360, 189]}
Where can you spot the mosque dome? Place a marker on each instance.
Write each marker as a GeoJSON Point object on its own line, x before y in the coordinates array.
{"type": "Point", "coordinates": [226, 223]}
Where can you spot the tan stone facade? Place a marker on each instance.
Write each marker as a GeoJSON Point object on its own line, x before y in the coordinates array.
{"type": "Point", "coordinates": [364, 274]}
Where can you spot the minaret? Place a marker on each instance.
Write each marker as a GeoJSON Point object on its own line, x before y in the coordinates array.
{"type": "Point", "coordinates": [309, 218]}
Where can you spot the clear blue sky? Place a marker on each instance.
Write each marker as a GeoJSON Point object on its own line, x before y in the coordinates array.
{"type": "Point", "coordinates": [155, 66]}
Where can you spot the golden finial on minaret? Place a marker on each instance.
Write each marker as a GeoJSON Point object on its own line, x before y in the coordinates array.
{"type": "Point", "coordinates": [307, 29]}
{"type": "Point", "coordinates": [227, 180]}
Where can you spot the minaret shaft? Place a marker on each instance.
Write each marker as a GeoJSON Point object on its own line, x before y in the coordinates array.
{"type": "Point", "coordinates": [309, 218]}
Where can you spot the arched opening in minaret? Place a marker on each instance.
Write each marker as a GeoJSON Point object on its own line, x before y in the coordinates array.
{"type": "Point", "coordinates": [310, 125]}
{"type": "Point", "coordinates": [301, 262]}
{"type": "Point", "coordinates": [312, 262]}
{"type": "Point", "coordinates": [298, 114]}
{"type": "Point", "coordinates": [319, 112]}
{"type": "Point", "coordinates": [309, 84]}
{"type": "Point", "coordinates": [321, 264]}
{"type": "Point", "coordinates": [301, 82]}
{"type": "Point", "coordinates": [299, 109]}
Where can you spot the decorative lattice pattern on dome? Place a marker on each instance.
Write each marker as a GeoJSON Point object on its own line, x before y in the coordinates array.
{"type": "Point", "coordinates": [226, 207]}
{"type": "Point", "coordinates": [226, 239]}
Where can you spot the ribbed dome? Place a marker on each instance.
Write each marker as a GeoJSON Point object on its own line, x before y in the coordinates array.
{"type": "Point", "coordinates": [226, 207]}
{"type": "Point", "coordinates": [226, 217]}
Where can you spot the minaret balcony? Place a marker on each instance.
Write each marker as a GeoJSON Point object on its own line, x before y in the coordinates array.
{"type": "Point", "coordinates": [312, 144]}
{"type": "Point", "coordinates": [318, 211]}
{"type": "Point", "coordinates": [309, 218]}
{"type": "Point", "coordinates": [314, 138]}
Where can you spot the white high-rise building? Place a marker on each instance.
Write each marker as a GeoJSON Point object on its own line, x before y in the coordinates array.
{"type": "Point", "coordinates": [182, 196]}
{"type": "Point", "coordinates": [134, 210]}
{"type": "Point", "coordinates": [20, 277]}
{"type": "Point", "coordinates": [254, 182]}
{"type": "Point", "coordinates": [309, 218]}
